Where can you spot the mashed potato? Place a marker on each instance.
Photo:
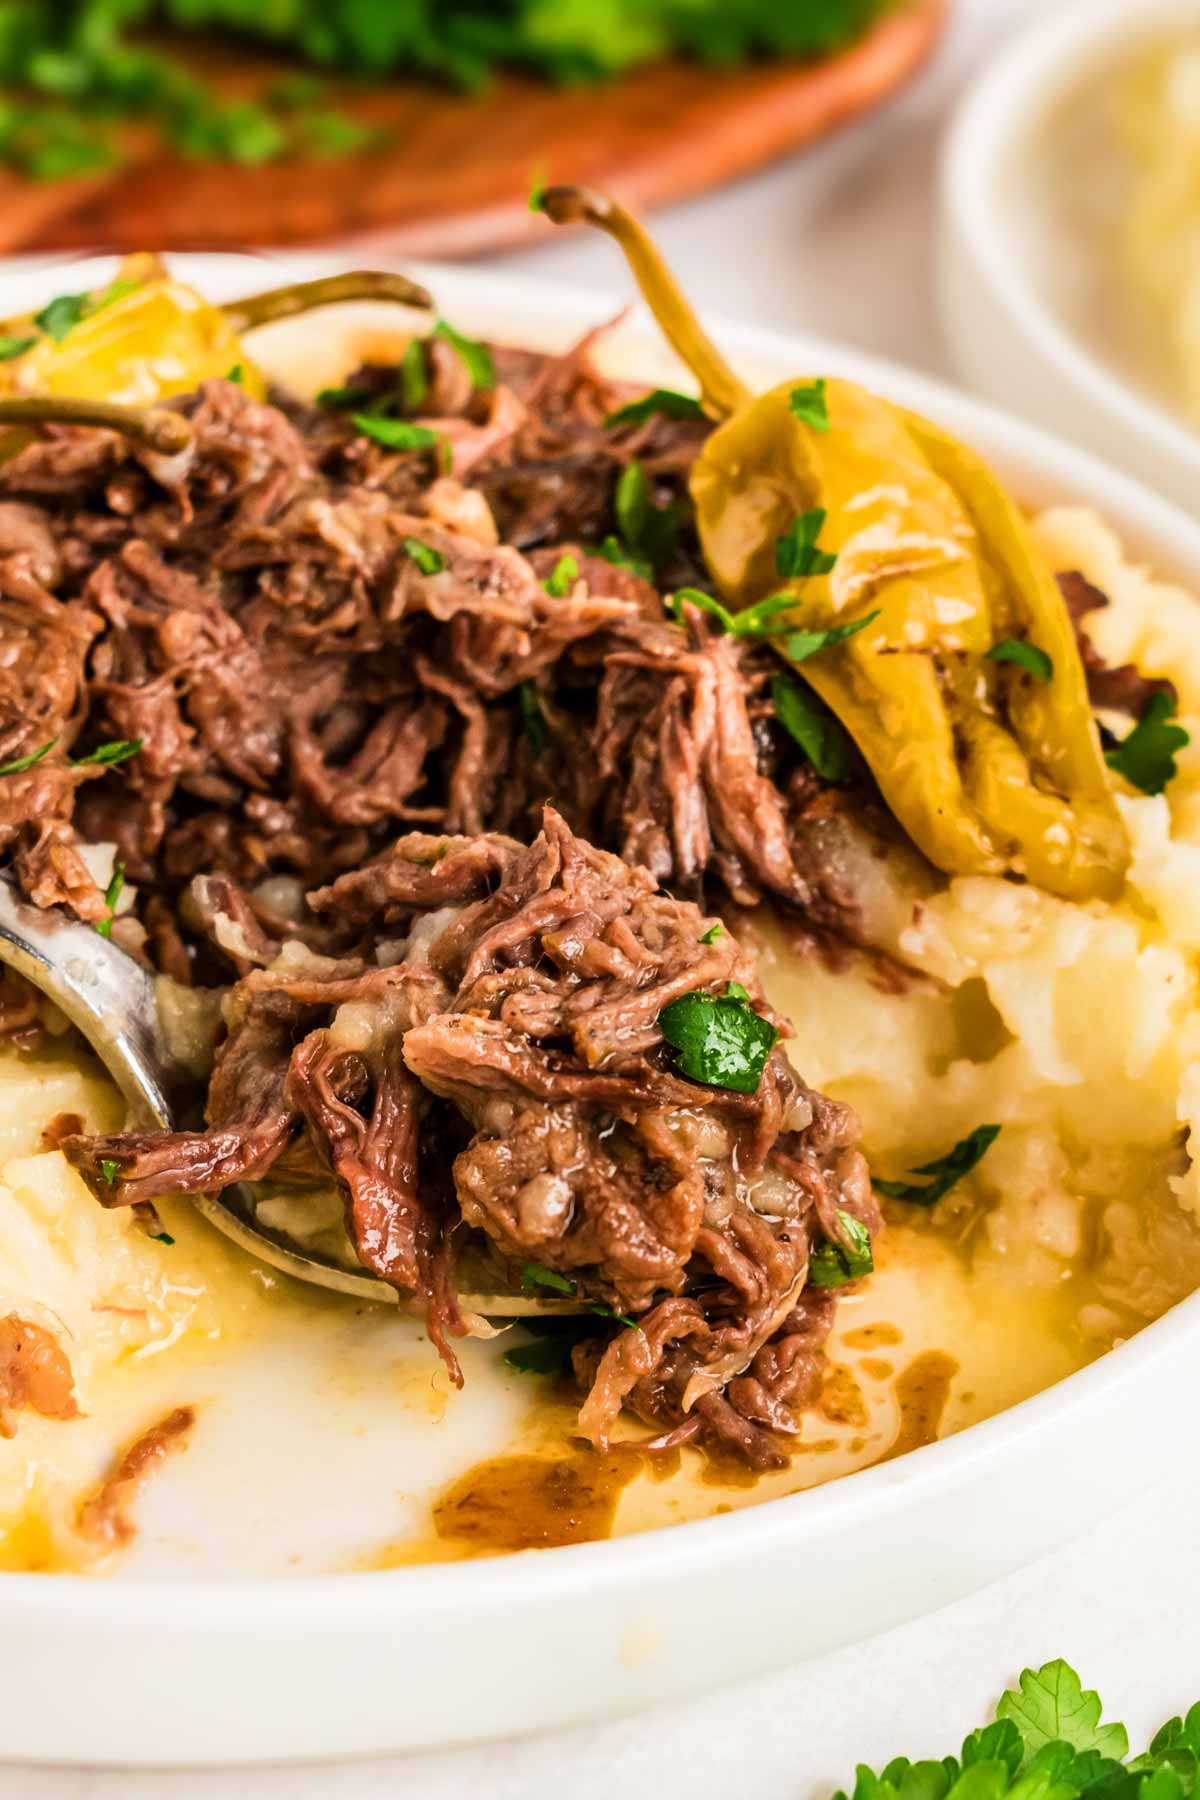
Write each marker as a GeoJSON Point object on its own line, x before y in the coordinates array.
{"type": "Point", "coordinates": [1076, 1027]}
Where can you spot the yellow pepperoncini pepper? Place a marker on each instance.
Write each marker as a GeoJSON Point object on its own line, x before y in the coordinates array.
{"type": "Point", "coordinates": [148, 336]}
{"type": "Point", "coordinates": [990, 766]}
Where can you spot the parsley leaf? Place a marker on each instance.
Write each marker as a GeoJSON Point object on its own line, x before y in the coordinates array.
{"type": "Point", "coordinates": [11, 345]}
{"type": "Point", "coordinates": [427, 559]}
{"type": "Point", "coordinates": [545, 1356]}
{"type": "Point", "coordinates": [110, 1168]}
{"type": "Point", "coordinates": [808, 403]}
{"type": "Point", "coordinates": [998, 1742]}
{"type": "Point", "coordinates": [800, 645]}
{"type": "Point", "coordinates": [945, 1170]}
{"type": "Point", "coordinates": [719, 1039]}
{"type": "Point", "coordinates": [713, 933]}
{"type": "Point", "coordinates": [162, 1237]}
{"type": "Point", "coordinates": [414, 376]}
{"type": "Point", "coordinates": [529, 700]}
{"type": "Point", "coordinates": [476, 357]}
{"type": "Point", "coordinates": [562, 577]}
{"type": "Point", "coordinates": [664, 401]}
{"type": "Point", "coordinates": [341, 399]}
{"type": "Point", "coordinates": [112, 894]}
{"type": "Point", "coordinates": [1051, 1706]}
{"type": "Point", "coordinates": [395, 434]}
{"type": "Point", "coordinates": [819, 734]}
{"type": "Point", "coordinates": [1146, 757]}
{"type": "Point", "coordinates": [238, 377]}
{"type": "Point", "coordinates": [19, 764]}
{"type": "Point", "coordinates": [647, 530]}
{"type": "Point", "coordinates": [613, 551]}
{"type": "Point", "coordinates": [65, 311]}
{"type": "Point", "coordinates": [796, 552]}
{"type": "Point", "coordinates": [833, 1265]}
{"type": "Point", "coordinates": [535, 1275]}
{"type": "Point", "coordinates": [109, 755]}
{"type": "Point", "coordinates": [1026, 656]}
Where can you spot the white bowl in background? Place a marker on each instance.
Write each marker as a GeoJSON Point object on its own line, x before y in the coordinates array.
{"type": "Point", "coordinates": [172, 1671]}
{"type": "Point", "coordinates": [996, 250]}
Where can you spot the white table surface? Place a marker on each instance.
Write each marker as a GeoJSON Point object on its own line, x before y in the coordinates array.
{"type": "Point", "coordinates": [836, 242]}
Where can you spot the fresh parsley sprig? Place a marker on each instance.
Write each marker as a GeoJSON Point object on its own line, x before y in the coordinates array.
{"type": "Point", "coordinates": [1146, 756]}
{"type": "Point", "coordinates": [112, 893]}
{"type": "Point", "coordinates": [562, 577]}
{"type": "Point", "coordinates": [476, 357]}
{"type": "Point", "coordinates": [797, 554]}
{"type": "Point", "coordinates": [719, 1039]}
{"type": "Point", "coordinates": [832, 1265]}
{"type": "Point", "coordinates": [649, 532]}
{"type": "Point", "coordinates": [1026, 656]}
{"type": "Point", "coordinates": [1047, 1742]}
{"type": "Point", "coordinates": [536, 1275]}
{"type": "Point", "coordinates": [394, 434]}
{"type": "Point", "coordinates": [427, 559]}
{"type": "Point", "coordinates": [808, 403]}
{"type": "Point", "coordinates": [809, 722]}
{"type": "Point", "coordinates": [664, 402]}
{"type": "Point", "coordinates": [944, 1171]}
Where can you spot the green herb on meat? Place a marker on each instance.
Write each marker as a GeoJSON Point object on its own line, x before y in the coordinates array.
{"type": "Point", "coordinates": [12, 345]}
{"type": "Point", "coordinates": [664, 401]}
{"type": "Point", "coordinates": [112, 894]}
{"type": "Point", "coordinates": [19, 764]}
{"type": "Point", "coordinates": [796, 552]}
{"type": "Point", "coordinates": [110, 755]}
{"type": "Point", "coordinates": [476, 357]}
{"type": "Point", "coordinates": [562, 577]}
{"type": "Point", "coordinates": [719, 1039]}
{"type": "Point", "coordinates": [395, 434]}
{"type": "Point", "coordinates": [944, 1171]}
{"type": "Point", "coordinates": [427, 559]}
{"type": "Point", "coordinates": [648, 532]}
{"type": "Point", "coordinates": [832, 1265]}
{"type": "Point", "coordinates": [823, 739]}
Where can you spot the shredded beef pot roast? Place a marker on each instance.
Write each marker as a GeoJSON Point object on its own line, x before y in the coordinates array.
{"type": "Point", "coordinates": [359, 683]}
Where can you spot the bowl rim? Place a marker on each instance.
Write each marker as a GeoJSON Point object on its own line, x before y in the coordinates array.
{"type": "Point", "coordinates": [1004, 105]}
{"type": "Point", "coordinates": [494, 1585]}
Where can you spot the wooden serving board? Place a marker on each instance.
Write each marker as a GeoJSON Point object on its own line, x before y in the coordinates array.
{"type": "Point", "coordinates": [454, 176]}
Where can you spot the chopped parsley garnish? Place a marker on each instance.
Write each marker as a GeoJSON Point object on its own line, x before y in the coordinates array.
{"type": "Point", "coordinates": [719, 1039]}
{"type": "Point", "coordinates": [796, 552]}
{"type": "Point", "coordinates": [238, 377]}
{"type": "Point", "coordinates": [476, 357]}
{"type": "Point", "coordinates": [945, 1171]}
{"type": "Point", "coordinates": [1146, 757]}
{"type": "Point", "coordinates": [395, 434]}
{"type": "Point", "coordinates": [533, 718]}
{"type": "Point", "coordinates": [65, 311]}
{"type": "Point", "coordinates": [613, 551]}
{"type": "Point", "coordinates": [341, 399]}
{"type": "Point", "coordinates": [536, 1275]}
{"type": "Point", "coordinates": [109, 755]}
{"type": "Point", "coordinates": [110, 1168]}
{"type": "Point", "coordinates": [537, 189]}
{"type": "Point", "coordinates": [832, 1265]}
{"type": "Point", "coordinates": [562, 577]}
{"type": "Point", "coordinates": [664, 401]}
{"type": "Point", "coordinates": [647, 531]}
{"type": "Point", "coordinates": [112, 894]}
{"type": "Point", "coordinates": [427, 559]}
{"type": "Point", "coordinates": [162, 1237]}
{"type": "Point", "coordinates": [823, 739]}
{"type": "Point", "coordinates": [767, 618]}
{"type": "Point", "coordinates": [11, 345]}
{"type": "Point", "coordinates": [713, 933]}
{"type": "Point", "coordinates": [414, 376]}
{"type": "Point", "coordinates": [1025, 656]}
{"type": "Point", "coordinates": [19, 764]}
{"type": "Point", "coordinates": [545, 1356]}
{"type": "Point", "coordinates": [800, 645]}
{"type": "Point", "coordinates": [808, 403]}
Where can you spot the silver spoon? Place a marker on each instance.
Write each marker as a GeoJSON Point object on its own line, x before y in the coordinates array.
{"type": "Point", "coordinates": [112, 1001]}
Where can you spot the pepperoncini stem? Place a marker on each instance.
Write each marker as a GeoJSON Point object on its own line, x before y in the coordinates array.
{"type": "Point", "coordinates": [154, 426]}
{"type": "Point", "coordinates": [329, 290]}
{"type": "Point", "coordinates": [721, 392]}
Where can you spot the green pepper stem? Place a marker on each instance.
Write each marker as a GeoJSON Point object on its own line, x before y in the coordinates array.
{"type": "Point", "coordinates": [153, 426]}
{"type": "Point", "coordinates": [720, 390]}
{"type": "Point", "coordinates": [303, 296]}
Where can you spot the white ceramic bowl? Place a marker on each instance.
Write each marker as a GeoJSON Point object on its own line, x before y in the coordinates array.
{"type": "Point", "coordinates": [996, 244]}
{"type": "Point", "coordinates": [170, 1671]}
